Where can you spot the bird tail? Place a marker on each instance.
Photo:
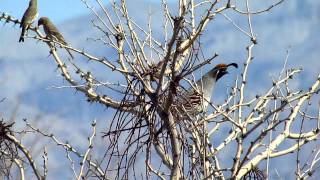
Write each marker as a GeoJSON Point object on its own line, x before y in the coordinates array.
{"type": "Point", "coordinates": [22, 35]}
{"type": "Point", "coordinates": [70, 53]}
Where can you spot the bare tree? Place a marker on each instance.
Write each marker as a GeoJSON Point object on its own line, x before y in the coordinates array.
{"type": "Point", "coordinates": [150, 129]}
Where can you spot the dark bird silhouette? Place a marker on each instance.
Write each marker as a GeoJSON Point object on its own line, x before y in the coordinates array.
{"type": "Point", "coordinates": [52, 32]}
{"type": "Point", "coordinates": [28, 18]}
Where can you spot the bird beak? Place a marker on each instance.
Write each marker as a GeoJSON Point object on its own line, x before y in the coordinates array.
{"type": "Point", "coordinates": [233, 64]}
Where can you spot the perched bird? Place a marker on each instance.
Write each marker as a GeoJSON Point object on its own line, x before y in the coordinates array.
{"type": "Point", "coordinates": [28, 17]}
{"type": "Point", "coordinates": [196, 99]}
{"type": "Point", "coordinates": [52, 32]}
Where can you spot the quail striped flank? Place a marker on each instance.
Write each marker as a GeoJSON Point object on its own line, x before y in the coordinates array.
{"type": "Point", "coordinates": [196, 99]}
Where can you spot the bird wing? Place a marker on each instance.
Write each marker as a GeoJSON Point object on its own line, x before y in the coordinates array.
{"type": "Point", "coordinates": [54, 34]}
{"type": "Point", "coordinates": [29, 16]}
{"type": "Point", "coordinates": [189, 102]}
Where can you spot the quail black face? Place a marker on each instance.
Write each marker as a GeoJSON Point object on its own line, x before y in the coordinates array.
{"type": "Point", "coordinates": [222, 69]}
{"type": "Point", "coordinates": [221, 72]}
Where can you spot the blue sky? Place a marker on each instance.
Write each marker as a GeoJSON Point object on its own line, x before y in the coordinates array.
{"type": "Point", "coordinates": [57, 10]}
